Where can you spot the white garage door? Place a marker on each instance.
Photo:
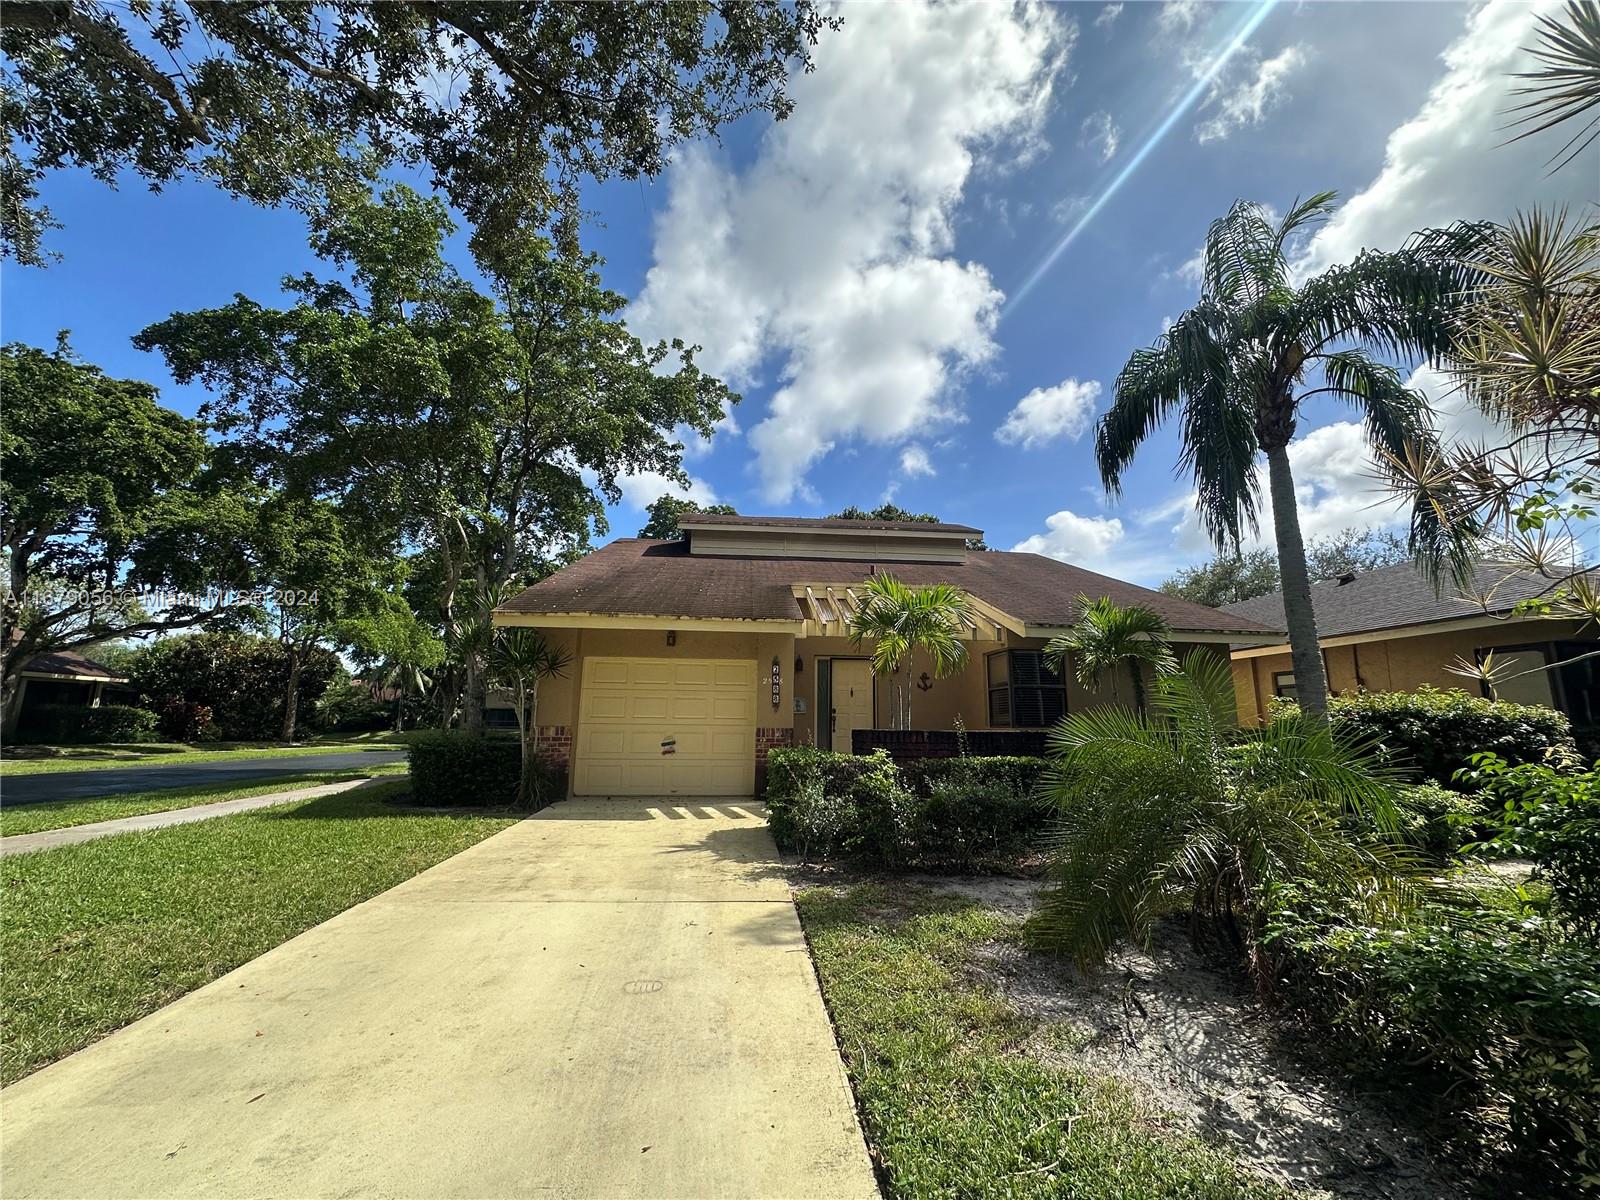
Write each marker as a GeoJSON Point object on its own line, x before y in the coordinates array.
{"type": "Point", "coordinates": [666, 727]}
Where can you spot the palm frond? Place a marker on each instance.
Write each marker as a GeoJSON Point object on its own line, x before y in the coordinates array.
{"type": "Point", "coordinates": [1566, 85]}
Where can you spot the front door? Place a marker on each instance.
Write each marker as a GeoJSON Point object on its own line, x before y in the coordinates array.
{"type": "Point", "coordinates": [852, 700]}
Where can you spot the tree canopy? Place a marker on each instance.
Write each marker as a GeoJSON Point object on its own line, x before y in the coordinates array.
{"type": "Point", "coordinates": [506, 105]}
{"type": "Point", "coordinates": [893, 512]}
{"type": "Point", "coordinates": [487, 429]}
{"type": "Point", "coordinates": [115, 523]}
{"type": "Point", "coordinates": [1230, 578]}
{"type": "Point", "coordinates": [666, 511]}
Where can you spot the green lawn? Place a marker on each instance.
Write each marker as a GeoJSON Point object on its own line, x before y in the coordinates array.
{"type": "Point", "coordinates": [91, 758]}
{"type": "Point", "coordinates": [953, 1103]}
{"type": "Point", "coordinates": [98, 935]}
{"type": "Point", "coordinates": [60, 814]}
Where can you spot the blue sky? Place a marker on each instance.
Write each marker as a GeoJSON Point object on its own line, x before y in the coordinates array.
{"type": "Point", "coordinates": [858, 271]}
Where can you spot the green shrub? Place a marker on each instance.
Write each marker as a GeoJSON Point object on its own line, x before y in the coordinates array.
{"type": "Point", "coordinates": [185, 721]}
{"type": "Point", "coordinates": [79, 724]}
{"type": "Point", "coordinates": [1436, 821]}
{"type": "Point", "coordinates": [955, 813]}
{"type": "Point", "coordinates": [1013, 774]}
{"type": "Point", "coordinates": [1554, 819]}
{"type": "Point", "coordinates": [459, 769]}
{"type": "Point", "coordinates": [1486, 1018]}
{"type": "Point", "coordinates": [351, 708]}
{"type": "Point", "coordinates": [1435, 733]}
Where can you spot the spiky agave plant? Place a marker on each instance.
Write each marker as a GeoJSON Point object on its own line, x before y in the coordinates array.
{"type": "Point", "coordinates": [900, 620]}
{"type": "Point", "coordinates": [1180, 807]}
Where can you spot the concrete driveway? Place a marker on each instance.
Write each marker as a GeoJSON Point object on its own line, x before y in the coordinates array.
{"type": "Point", "coordinates": [111, 781]}
{"type": "Point", "coordinates": [608, 999]}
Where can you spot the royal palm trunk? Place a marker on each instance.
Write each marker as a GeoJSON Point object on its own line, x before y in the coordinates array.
{"type": "Point", "coordinates": [1310, 681]}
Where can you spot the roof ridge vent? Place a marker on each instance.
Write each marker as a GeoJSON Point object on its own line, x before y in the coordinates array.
{"type": "Point", "coordinates": [1347, 577]}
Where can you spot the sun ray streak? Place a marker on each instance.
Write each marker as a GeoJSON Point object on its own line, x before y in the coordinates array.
{"type": "Point", "coordinates": [1258, 13]}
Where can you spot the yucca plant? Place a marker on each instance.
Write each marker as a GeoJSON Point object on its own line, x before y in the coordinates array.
{"type": "Point", "coordinates": [1109, 637]}
{"type": "Point", "coordinates": [1565, 86]}
{"type": "Point", "coordinates": [900, 620]}
{"type": "Point", "coordinates": [1180, 808]}
{"type": "Point", "coordinates": [519, 660]}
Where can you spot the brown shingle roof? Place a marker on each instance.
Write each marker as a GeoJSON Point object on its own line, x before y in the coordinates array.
{"type": "Point", "coordinates": [1389, 597]}
{"type": "Point", "coordinates": [637, 577]}
{"type": "Point", "coordinates": [65, 662]}
{"type": "Point", "coordinates": [700, 518]}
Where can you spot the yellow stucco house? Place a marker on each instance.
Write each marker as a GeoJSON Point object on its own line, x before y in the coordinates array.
{"type": "Point", "coordinates": [1387, 630]}
{"type": "Point", "coordinates": [694, 657]}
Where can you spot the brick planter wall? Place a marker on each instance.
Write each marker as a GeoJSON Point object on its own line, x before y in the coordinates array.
{"type": "Point", "coordinates": [908, 745]}
{"type": "Point", "coordinates": [768, 738]}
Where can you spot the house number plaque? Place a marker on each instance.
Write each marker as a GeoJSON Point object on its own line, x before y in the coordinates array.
{"type": "Point", "coordinates": [777, 683]}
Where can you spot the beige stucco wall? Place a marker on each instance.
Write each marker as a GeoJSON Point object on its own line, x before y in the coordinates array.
{"type": "Point", "coordinates": [1393, 664]}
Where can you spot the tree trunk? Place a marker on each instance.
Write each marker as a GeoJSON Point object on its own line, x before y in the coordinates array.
{"type": "Point", "coordinates": [473, 696]}
{"type": "Point", "coordinates": [291, 697]}
{"type": "Point", "coordinates": [1310, 681]}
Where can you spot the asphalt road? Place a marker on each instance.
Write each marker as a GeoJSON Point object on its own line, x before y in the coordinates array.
{"type": "Point", "coordinates": [109, 781]}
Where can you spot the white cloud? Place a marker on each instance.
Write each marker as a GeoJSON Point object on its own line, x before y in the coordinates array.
{"type": "Point", "coordinates": [1045, 414]}
{"type": "Point", "coordinates": [644, 489]}
{"type": "Point", "coordinates": [827, 260]}
{"type": "Point", "coordinates": [1178, 16]}
{"type": "Point", "coordinates": [1108, 15]}
{"type": "Point", "coordinates": [1082, 541]}
{"type": "Point", "coordinates": [914, 461]}
{"type": "Point", "coordinates": [1448, 162]}
{"type": "Point", "coordinates": [1100, 134]}
{"type": "Point", "coordinates": [1236, 104]}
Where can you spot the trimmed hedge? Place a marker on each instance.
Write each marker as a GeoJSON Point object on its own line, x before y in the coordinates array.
{"type": "Point", "coordinates": [79, 724]}
{"type": "Point", "coordinates": [954, 813]}
{"type": "Point", "coordinates": [459, 769]}
{"type": "Point", "coordinates": [1435, 733]}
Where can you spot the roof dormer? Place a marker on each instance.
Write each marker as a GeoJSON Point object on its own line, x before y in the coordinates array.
{"type": "Point", "coordinates": [720, 536]}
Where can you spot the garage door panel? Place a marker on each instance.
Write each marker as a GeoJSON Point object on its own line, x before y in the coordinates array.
{"type": "Point", "coordinates": [606, 670]}
{"type": "Point", "coordinates": [705, 709]}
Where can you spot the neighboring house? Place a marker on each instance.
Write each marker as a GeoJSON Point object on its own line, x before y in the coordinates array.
{"type": "Point", "coordinates": [64, 678]}
{"type": "Point", "coordinates": [1388, 631]}
{"type": "Point", "coordinates": [692, 658]}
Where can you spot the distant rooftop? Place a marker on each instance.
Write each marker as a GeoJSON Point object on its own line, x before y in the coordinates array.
{"type": "Point", "coordinates": [1390, 597]}
{"type": "Point", "coordinates": [694, 520]}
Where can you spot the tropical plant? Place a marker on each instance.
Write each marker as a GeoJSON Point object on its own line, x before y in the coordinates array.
{"type": "Point", "coordinates": [1565, 85]}
{"type": "Point", "coordinates": [1179, 807]}
{"type": "Point", "coordinates": [407, 679]}
{"type": "Point", "coordinates": [901, 620]}
{"type": "Point", "coordinates": [1109, 638]}
{"type": "Point", "coordinates": [1233, 370]}
{"type": "Point", "coordinates": [519, 660]}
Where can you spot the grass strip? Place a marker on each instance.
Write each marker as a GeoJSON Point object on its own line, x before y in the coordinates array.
{"type": "Point", "coordinates": [99, 934]}
{"type": "Point", "coordinates": [952, 1102]}
{"type": "Point", "coordinates": [150, 754]}
{"type": "Point", "coordinates": [86, 810]}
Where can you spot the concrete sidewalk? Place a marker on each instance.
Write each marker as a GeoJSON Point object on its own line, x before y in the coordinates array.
{"type": "Point", "coordinates": [49, 839]}
{"type": "Point", "coordinates": [609, 999]}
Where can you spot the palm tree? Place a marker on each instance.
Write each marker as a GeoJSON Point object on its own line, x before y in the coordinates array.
{"type": "Point", "coordinates": [1106, 637]}
{"type": "Point", "coordinates": [1175, 808]}
{"type": "Point", "coordinates": [407, 678]}
{"type": "Point", "coordinates": [1566, 85]}
{"type": "Point", "coordinates": [518, 660]}
{"type": "Point", "coordinates": [900, 620]}
{"type": "Point", "coordinates": [1232, 369]}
